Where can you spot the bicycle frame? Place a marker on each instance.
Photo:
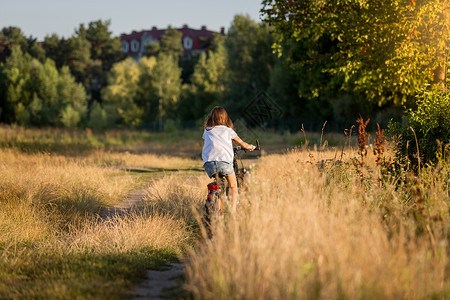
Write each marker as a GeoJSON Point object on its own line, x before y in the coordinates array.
{"type": "Point", "coordinates": [219, 187]}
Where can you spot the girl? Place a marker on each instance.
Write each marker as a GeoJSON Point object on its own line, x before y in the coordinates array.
{"type": "Point", "coordinates": [217, 153]}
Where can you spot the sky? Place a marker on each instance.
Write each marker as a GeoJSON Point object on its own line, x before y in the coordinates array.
{"type": "Point", "coordinates": [39, 18]}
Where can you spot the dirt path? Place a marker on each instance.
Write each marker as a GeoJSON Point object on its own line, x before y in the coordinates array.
{"type": "Point", "coordinates": [157, 284]}
{"type": "Point", "coordinates": [160, 284]}
{"type": "Point", "coordinates": [132, 199]}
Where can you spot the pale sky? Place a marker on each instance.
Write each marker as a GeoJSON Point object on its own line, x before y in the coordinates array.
{"type": "Point", "coordinates": [44, 17]}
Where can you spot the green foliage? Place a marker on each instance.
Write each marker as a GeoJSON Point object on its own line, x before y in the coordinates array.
{"type": "Point", "coordinates": [283, 88]}
{"type": "Point", "coordinates": [14, 36]}
{"type": "Point", "coordinates": [145, 100]}
{"type": "Point", "coordinates": [249, 59]}
{"type": "Point", "coordinates": [37, 93]}
{"type": "Point", "coordinates": [170, 44]}
{"type": "Point", "coordinates": [383, 49]}
{"type": "Point", "coordinates": [71, 93]}
{"type": "Point", "coordinates": [105, 50]}
{"type": "Point", "coordinates": [428, 123]}
{"type": "Point", "coordinates": [99, 119]}
{"type": "Point", "coordinates": [79, 58]}
{"type": "Point", "coordinates": [166, 84]}
{"type": "Point", "coordinates": [57, 49]}
{"type": "Point", "coordinates": [15, 78]}
{"type": "Point", "coordinates": [119, 96]}
{"type": "Point", "coordinates": [36, 50]}
{"type": "Point", "coordinates": [326, 68]}
{"type": "Point", "coordinates": [70, 117]}
{"type": "Point", "coordinates": [104, 47]}
{"type": "Point", "coordinates": [144, 90]}
{"type": "Point", "coordinates": [170, 126]}
{"type": "Point", "coordinates": [207, 83]}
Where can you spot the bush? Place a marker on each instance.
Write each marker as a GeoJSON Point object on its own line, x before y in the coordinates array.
{"type": "Point", "coordinates": [428, 123]}
{"type": "Point", "coordinates": [99, 119]}
{"type": "Point", "coordinates": [70, 117]}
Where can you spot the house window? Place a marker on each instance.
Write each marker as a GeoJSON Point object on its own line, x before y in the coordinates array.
{"type": "Point", "coordinates": [134, 46]}
{"type": "Point", "coordinates": [125, 46]}
{"type": "Point", "coordinates": [187, 43]}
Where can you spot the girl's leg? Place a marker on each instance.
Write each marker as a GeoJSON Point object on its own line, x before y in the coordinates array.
{"type": "Point", "coordinates": [233, 192]}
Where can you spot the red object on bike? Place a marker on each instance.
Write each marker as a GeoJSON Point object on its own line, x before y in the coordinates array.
{"type": "Point", "coordinates": [209, 195]}
{"type": "Point", "coordinates": [212, 187]}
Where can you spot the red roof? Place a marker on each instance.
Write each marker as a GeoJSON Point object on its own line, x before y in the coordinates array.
{"type": "Point", "coordinates": [156, 34]}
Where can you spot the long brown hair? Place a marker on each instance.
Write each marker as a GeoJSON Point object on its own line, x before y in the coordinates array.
{"type": "Point", "coordinates": [218, 116]}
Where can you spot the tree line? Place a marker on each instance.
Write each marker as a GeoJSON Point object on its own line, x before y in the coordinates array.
{"type": "Point", "coordinates": [314, 60]}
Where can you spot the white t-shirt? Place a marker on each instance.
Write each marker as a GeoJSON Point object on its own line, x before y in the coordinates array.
{"type": "Point", "coordinates": [218, 145]}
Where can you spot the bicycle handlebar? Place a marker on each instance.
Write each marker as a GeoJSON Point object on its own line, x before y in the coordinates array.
{"type": "Point", "coordinates": [239, 148]}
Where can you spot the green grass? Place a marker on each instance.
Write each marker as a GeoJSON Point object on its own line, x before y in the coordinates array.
{"type": "Point", "coordinates": [78, 141]}
{"type": "Point", "coordinates": [53, 274]}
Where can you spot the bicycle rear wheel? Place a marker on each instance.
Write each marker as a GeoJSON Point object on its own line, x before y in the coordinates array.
{"type": "Point", "coordinates": [213, 206]}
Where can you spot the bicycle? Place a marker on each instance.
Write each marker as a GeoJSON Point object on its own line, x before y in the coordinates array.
{"type": "Point", "coordinates": [218, 189]}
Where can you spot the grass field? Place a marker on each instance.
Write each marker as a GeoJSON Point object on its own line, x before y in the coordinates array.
{"type": "Point", "coordinates": [52, 188]}
{"type": "Point", "coordinates": [306, 227]}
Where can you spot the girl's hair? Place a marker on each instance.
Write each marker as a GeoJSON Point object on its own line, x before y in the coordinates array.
{"type": "Point", "coordinates": [218, 116]}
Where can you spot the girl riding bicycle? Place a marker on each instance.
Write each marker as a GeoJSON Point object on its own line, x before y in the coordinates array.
{"type": "Point", "coordinates": [217, 153]}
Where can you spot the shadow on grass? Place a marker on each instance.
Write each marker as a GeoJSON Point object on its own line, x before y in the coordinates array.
{"type": "Point", "coordinates": [33, 147]}
{"type": "Point", "coordinates": [161, 170]}
{"type": "Point", "coordinates": [50, 274]}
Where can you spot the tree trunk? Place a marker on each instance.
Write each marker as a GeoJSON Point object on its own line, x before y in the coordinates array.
{"type": "Point", "coordinates": [440, 73]}
{"type": "Point", "coordinates": [439, 76]}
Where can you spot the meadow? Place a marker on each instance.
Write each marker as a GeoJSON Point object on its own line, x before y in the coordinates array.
{"type": "Point", "coordinates": [53, 185]}
{"type": "Point", "coordinates": [309, 226]}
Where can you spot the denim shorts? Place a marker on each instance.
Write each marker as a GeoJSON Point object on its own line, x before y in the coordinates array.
{"type": "Point", "coordinates": [213, 167]}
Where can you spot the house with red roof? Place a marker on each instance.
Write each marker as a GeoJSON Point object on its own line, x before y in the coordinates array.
{"type": "Point", "coordinates": [194, 41]}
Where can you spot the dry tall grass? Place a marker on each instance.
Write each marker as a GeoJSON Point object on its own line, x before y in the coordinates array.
{"type": "Point", "coordinates": [302, 232]}
{"type": "Point", "coordinates": [62, 189]}
{"type": "Point", "coordinates": [180, 196]}
{"type": "Point", "coordinates": [52, 244]}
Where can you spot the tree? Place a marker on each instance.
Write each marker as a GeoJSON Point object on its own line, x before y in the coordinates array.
{"type": "Point", "coordinates": [35, 93]}
{"type": "Point", "coordinates": [104, 47]}
{"type": "Point", "coordinates": [145, 95]}
{"type": "Point", "coordinates": [164, 87]}
{"type": "Point", "coordinates": [73, 99]}
{"type": "Point", "coordinates": [79, 58]}
{"type": "Point", "coordinates": [383, 49]}
{"type": "Point", "coordinates": [9, 37]}
{"type": "Point", "coordinates": [14, 36]}
{"type": "Point", "coordinates": [57, 99]}
{"type": "Point", "coordinates": [170, 44]}
{"type": "Point", "coordinates": [161, 85]}
{"type": "Point", "coordinates": [99, 119]}
{"type": "Point", "coordinates": [284, 88]}
{"type": "Point", "coordinates": [44, 108]}
{"type": "Point", "coordinates": [14, 80]}
{"type": "Point", "coordinates": [207, 82]}
{"type": "Point", "coordinates": [250, 59]}
{"type": "Point", "coordinates": [119, 97]}
{"type": "Point", "coordinates": [57, 49]}
{"type": "Point", "coordinates": [105, 51]}
{"type": "Point", "coordinates": [35, 49]}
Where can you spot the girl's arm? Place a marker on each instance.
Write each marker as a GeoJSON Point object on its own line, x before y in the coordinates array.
{"type": "Point", "coordinates": [243, 144]}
